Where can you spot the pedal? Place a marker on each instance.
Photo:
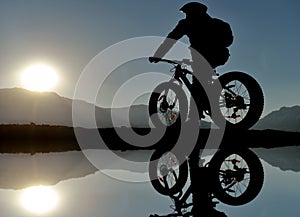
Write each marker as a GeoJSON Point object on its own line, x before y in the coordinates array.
{"type": "Point", "coordinates": [234, 116]}
{"type": "Point", "coordinates": [161, 97]}
{"type": "Point", "coordinates": [173, 116]}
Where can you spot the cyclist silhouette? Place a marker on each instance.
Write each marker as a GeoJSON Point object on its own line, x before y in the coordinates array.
{"type": "Point", "coordinates": [208, 36]}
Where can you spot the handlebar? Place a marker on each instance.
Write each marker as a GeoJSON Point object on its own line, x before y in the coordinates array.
{"type": "Point", "coordinates": [177, 62]}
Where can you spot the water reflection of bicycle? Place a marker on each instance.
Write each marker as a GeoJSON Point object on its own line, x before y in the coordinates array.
{"type": "Point", "coordinates": [234, 177]}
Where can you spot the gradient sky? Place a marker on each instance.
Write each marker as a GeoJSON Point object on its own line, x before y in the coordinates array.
{"type": "Point", "coordinates": [67, 34]}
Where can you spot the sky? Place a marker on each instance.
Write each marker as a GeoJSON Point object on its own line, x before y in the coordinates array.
{"type": "Point", "coordinates": [68, 34]}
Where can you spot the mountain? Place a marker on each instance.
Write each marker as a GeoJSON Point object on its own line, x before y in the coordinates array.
{"type": "Point", "coordinates": [286, 118]}
{"type": "Point", "coordinates": [20, 106]}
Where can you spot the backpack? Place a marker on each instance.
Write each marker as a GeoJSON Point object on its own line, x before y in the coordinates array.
{"type": "Point", "coordinates": [222, 32]}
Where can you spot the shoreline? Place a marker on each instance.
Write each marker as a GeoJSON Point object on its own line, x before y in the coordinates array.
{"type": "Point", "coordinates": [33, 138]}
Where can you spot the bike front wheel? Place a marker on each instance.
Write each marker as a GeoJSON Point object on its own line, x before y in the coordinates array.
{"type": "Point", "coordinates": [168, 105]}
{"type": "Point", "coordinates": [168, 173]}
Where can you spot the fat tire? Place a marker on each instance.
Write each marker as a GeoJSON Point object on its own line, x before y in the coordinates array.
{"type": "Point", "coordinates": [154, 97]}
{"type": "Point", "coordinates": [256, 176]}
{"type": "Point", "coordinates": [181, 179]}
{"type": "Point", "coordinates": [256, 99]}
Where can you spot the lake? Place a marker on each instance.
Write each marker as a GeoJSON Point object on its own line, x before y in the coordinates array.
{"type": "Point", "coordinates": [68, 184]}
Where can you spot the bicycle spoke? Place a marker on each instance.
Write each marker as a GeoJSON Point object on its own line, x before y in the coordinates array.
{"type": "Point", "coordinates": [229, 178]}
{"type": "Point", "coordinates": [234, 89]}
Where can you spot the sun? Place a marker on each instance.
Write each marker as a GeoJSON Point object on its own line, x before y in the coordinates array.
{"type": "Point", "coordinates": [39, 199]}
{"type": "Point", "coordinates": [39, 77]}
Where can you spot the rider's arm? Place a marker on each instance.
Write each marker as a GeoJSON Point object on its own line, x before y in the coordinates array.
{"type": "Point", "coordinates": [178, 32]}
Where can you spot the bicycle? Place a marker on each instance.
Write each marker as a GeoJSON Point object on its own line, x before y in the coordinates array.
{"type": "Point", "coordinates": [241, 100]}
{"type": "Point", "coordinates": [237, 177]}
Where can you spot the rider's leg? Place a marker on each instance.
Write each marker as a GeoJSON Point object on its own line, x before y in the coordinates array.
{"type": "Point", "coordinates": [203, 71]}
{"type": "Point", "coordinates": [197, 98]}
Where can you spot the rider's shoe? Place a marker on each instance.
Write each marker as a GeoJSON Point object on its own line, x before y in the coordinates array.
{"type": "Point", "coordinates": [201, 115]}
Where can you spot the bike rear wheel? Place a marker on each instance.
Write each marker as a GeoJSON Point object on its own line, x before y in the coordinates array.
{"type": "Point", "coordinates": [238, 176]}
{"type": "Point", "coordinates": [241, 101]}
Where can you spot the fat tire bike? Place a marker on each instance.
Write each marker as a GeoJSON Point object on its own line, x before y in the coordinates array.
{"type": "Point", "coordinates": [240, 102]}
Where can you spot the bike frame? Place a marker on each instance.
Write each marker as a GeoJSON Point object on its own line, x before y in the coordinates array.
{"type": "Point", "coordinates": [180, 75]}
{"type": "Point", "coordinates": [180, 202]}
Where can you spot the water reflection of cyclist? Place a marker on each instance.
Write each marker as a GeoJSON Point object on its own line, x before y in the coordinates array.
{"type": "Point", "coordinates": [206, 36]}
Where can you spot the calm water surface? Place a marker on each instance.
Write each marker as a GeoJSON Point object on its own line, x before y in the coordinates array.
{"type": "Point", "coordinates": [77, 188]}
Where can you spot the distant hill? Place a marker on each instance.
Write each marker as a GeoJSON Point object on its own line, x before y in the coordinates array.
{"type": "Point", "coordinates": [20, 106]}
{"type": "Point", "coordinates": [19, 171]}
{"type": "Point", "coordinates": [286, 118]}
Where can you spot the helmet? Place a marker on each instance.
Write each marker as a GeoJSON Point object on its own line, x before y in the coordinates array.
{"type": "Point", "coordinates": [193, 8]}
